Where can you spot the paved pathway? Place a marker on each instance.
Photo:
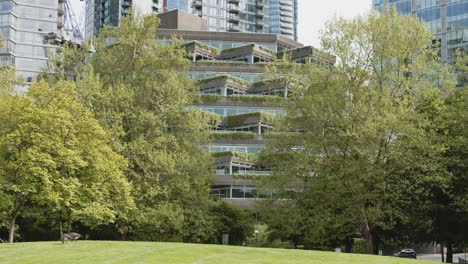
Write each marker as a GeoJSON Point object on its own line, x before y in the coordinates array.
{"type": "Point", "coordinates": [437, 257]}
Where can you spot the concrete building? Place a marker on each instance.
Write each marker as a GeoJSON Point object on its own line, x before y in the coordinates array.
{"type": "Point", "coordinates": [447, 19]}
{"type": "Point", "coordinates": [229, 68]}
{"type": "Point", "coordinates": [31, 31]}
{"type": "Point", "coordinates": [263, 16]}
{"type": "Point", "coordinates": [110, 12]}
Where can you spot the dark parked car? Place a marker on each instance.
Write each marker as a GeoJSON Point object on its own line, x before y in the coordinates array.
{"type": "Point", "coordinates": [406, 253]}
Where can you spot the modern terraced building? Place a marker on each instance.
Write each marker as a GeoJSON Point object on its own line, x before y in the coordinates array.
{"type": "Point", "coordinates": [230, 71]}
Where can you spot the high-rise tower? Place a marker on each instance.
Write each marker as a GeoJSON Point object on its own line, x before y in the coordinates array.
{"type": "Point", "coordinates": [228, 15]}
{"type": "Point", "coordinates": [447, 19]}
{"type": "Point", "coordinates": [31, 31]}
{"type": "Point", "coordinates": [283, 18]}
{"type": "Point", "coordinates": [110, 12]}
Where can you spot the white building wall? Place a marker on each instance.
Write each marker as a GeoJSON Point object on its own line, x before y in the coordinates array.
{"type": "Point", "coordinates": [26, 25]}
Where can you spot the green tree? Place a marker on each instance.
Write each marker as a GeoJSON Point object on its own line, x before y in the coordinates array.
{"type": "Point", "coordinates": [366, 157]}
{"type": "Point", "coordinates": [53, 151]}
{"type": "Point", "coordinates": [449, 208]}
{"type": "Point", "coordinates": [231, 220]}
{"type": "Point", "coordinates": [139, 91]}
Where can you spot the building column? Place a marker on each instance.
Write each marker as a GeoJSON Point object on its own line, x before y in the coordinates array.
{"type": "Point", "coordinates": [251, 59]}
{"type": "Point", "coordinates": [224, 91]}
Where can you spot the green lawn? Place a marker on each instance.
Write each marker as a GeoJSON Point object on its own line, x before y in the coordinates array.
{"type": "Point", "coordinates": [146, 252]}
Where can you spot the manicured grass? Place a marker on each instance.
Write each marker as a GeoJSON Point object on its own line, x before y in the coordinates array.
{"type": "Point", "coordinates": [146, 252]}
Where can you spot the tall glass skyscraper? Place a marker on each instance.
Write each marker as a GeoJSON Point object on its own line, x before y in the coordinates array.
{"type": "Point", "coordinates": [228, 15]}
{"type": "Point", "coordinates": [263, 16]}
{"type": "Point", "coordinates": [109, 12]}
{"type": "Point", "coordinates": [178, 4]}
{"type": "Point", "coordinates": [447, 19]}
{"type": "Point", "coordinates": [283, 17]}
{"type": "Point", "coordinates": [30, 32]}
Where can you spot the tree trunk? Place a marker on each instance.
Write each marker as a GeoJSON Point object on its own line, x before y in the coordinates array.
{"type": "Point", "coordinates": [124, 232]}
{"type": "Point", "coordinates": [293, 244]}
{"type": "Point", "coordinates": [442, 251]}
{"type": "Point", "coordinates": [16, 209]}
{"type": "Point", "coordinates": [11, 233]}
{"type": "Point", "coordinates": [68, 220]}
{"type": "Point", "coordinates": [349, 245]}
{"type": "Point", "coordinates": [449, 257]}
{"type": "Point", "coordinates": [367, 234]}
{"type": "Point", "coordinates": [61, 231]}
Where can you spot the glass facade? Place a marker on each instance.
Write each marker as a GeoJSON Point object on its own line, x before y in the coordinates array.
{"type": "Point", "coordinates": [178, 4]}
{"type": "Point", "coordinates": [109, 12]}
{"type": "Point", "coordinates": [25, 26]}
{"type": "Point", "coordinates": [447, 20]}
{"type": "Point", "coordinates": [228, 15]}
{"type": "Point", "coordinates": [239, 192]}
{"type": "Point", "coordinates": [239, 110]}
{"type": "Point", "coordinates": [284, 18]}
{"type": "Point", "coordinates": [239, 148]}
{"type": "Point", "coordinates": [251, 77]}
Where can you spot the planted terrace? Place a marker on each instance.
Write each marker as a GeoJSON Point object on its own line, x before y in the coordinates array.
{"type": "Point", "coordinates": [255, 53]}
{"type": "Point", "coordinates": [228, 85]}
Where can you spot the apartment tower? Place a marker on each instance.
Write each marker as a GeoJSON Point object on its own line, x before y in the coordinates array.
{"type": "Point", "coordinates": [447, 19]}
{"type": "Point", "coordinates": [31, 31]}
{"type": "Point", "coordinates": [261, 16]}
{"type": "Point", "coordinates": [110, 12]}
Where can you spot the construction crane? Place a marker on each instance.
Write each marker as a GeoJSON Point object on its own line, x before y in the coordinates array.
{"type": "Point", "coordinates": [71, 30]}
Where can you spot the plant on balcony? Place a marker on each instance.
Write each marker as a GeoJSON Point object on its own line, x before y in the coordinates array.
{"type": "Point", "coordinates": [249, 99]}
{"type": "Point", "coordinates": [232, 135]}
{"type": "Point", "coordinates": [253, 177]}
{"type": "Point", "coordinates": [213, 50]}
{"type": "Point", "coordinates": [241, 155]}
{"type": "Point", "coordinates": [268, 81]}
{"type": "Point", "coordinates": [238, 120]}
{"type": "Point", "coordinates": [255, 99]}
{"type": "Point", "coordinates": [214, 119]}
{"type": "Point", "coordinates": [223, 62]}
{"type": "Point", "coordinates": [230, 77]}
{"type": "Point", "coordinates": [272, 52]}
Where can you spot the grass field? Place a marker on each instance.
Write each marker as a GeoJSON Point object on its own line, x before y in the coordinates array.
{"type": "Point", "coordinates": [146, 252]}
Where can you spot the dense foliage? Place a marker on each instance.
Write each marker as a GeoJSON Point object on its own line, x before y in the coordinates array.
{"type": "Point", "coordinates": [371, 146]}
{"type": "Point", "coordinates": [371, 155]}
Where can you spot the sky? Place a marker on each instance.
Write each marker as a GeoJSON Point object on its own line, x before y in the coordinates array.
{"type": "Point", "coordinates": [312, 15]}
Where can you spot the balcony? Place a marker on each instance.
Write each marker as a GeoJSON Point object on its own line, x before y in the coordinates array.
{"type": "Point", "coordinates": [233, 18]}
{"type": "Point", "coordinates": [252, 172]}
{"type": "Point", "coordinates": [233, 9]}
{"type": "Point", "coordinates": [236, 2]}
{"type": "Point", "coordinates": [259, 13]}
{"type": "Point", "coordinates": [233, 28]}
{"type": "Point", "coordinates": [197, 3]}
